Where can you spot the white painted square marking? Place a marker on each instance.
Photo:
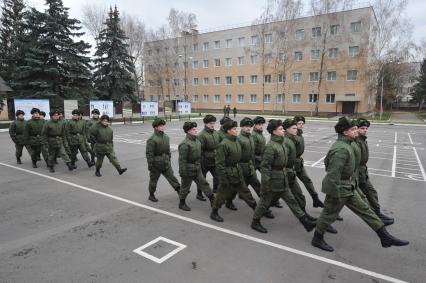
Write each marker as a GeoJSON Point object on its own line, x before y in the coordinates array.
{"type": "Point", "coordinates": [140, 251]}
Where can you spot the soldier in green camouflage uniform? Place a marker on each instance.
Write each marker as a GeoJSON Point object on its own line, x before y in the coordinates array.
{"type": "Point", "coordinates": [102, 134]}
{"type": "Point", "coordinates": [190, 166]}
{"type": "Point", "coordinates": [16, 132]}
{"type": "Point", "coordinates": [54, 132]}
{"type": "Point", "coordinates": [340, 186]}
{"type": "Point", "coordinates": [158, 156]}
{"type": "Point", "coordinates": [77, 131]}
{"type": "Point", "coordinates": [34, 138]}
{"type": "Point", "coordinates": [94, 120]}
{"type": "Point", "coordinates": [274, 179]}
{"type": "Point", "coordinates": [231, 178]}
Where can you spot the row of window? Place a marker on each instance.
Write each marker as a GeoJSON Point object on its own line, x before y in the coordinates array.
{"type": "Point", "coordinates": [334, 29]}
{"type": "Point", "coordinates": [253, 98]}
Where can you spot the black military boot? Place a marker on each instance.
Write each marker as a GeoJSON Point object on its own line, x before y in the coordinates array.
{"type": "Point", "coordinates": [385, 219]}
{"type": "Point", "coordinates": [268, 214]}
{"type": "Point", "coordinates": [214, 189]}
{"type": "Point", "coordinates": [18, 160]}
{"type": "Point", "coordinates": [51, 169]}
{"type": "Point", "coordinates": [183, 206]}
{"type": "Point", "coordinates": [230, 205]}
{"type": "Point", "coordinates": [177, 190]}
{"type": "Point", "coordinates": [121, 170]}
{"type": "Point", "coordinates": [310, 217]}
{"type": "Point", "coordinates": [200, 195]}
{"type": "Point", "coordinates": [277, 204]}
{"type": "Point", "coordinates": [98, 173]}
{"type": "Point", "coordinates": [214, 215]}
{"type": "Point", "coordinates": [318, 241]}
{"type": "Point", "coordinates": [316, 201]}
{"type": "Point", "coordinates": [152, 197]}
{"type": "Point", "coordinates": [388, 240]}
{"type": "Point", "coordinates": [308, 224]}
{"type": "Point", "coordinates": [34, 163]}
{"type": "Point", "coordinates": [256, 225]}
{"type": "Point", "coordinates": [339, 218]}
{"type": "Point", "coordinates": [211, 199]}
{"type": "Point", "coordinates": [331, 229]}
{"type": "Point", "coordinates": [55, 161]}
{"type": "Point", "coordinates": [90, 163]}
{"type": "Point", "coordinates": [71, 166]}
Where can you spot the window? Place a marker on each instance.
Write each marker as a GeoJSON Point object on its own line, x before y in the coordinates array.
{"type": "Point", "coordinates": [241, 41]}
{"type": "Point", "coordinates": [195, 98]}
{"type": "Point", "coordinates": [216, 98]}
{"type": "Point", "coordinates": [254, 79]}
{"type": "Point", "coordinates": [330, 98]}
{"type": "Point", "coordinates": [217, 62]}
{"type": "Point", "coordinates": [228, 98]}
{"type": "Point", "coordinates": [300, 34]}
{"type": "Point", "coordinates": [334, 29]}
{"type": "Point", "coordinates": [279, 98]}
{"type": "Point", "coordinates": [297, 77]}
{"type": "Point", "coordinates": [205, 81]}
{"type": "Point", "coordinates": [253, 98]}
{"type": "Point", "coordinates": [316, 32]}
{"type": "Point", "coordinates": [194, 64]}
{"type": "Point", "coordinates": [176, 65]}
{"type": "Point", "coordinates": [217, 44]}
{"type": "Point", "coordinates": [298, 55]}
{"type": "Point", "coordinates": [268, 38]}
{"type": "Point", "coordinates": [151, 98]}
{"type": "Point", "coordinates": [195, 47]}
{"type": "Point", "coordinates": [205, 98]}
{"type": "Point", "coordinates": [331, 76]}
{"type": "Point", "coordinates": [268, 58]}
{"type": "Point", "coordinates": [228, 43]}
{"type": "Point", "coordinates": [253, 59]}
{"type": "Point", "coordinates": [240, 98]}
{"type": "Point", "coordinates": [241, 60]}
{"type": "Point", "coordinates": [240, 80]}
{"type": "Point", "coordinates": [228, 62]}
{"type": "Point", "coordinates": [205, 46]}
{"type": "Point", "coordinates": [228, 80]}
{"type": "Point", "coordinates": [355, 26]}
{"type": "Point", "coordinates": [349, 94]}
{"type": "Point", "coordinates": [313, 76]}
{"type": "Point", "coordinates": [315, 54]}
{"type": "Point", "coordinates": [195, 81]}
{"type": "Point", "coordinates": [268, 79]}
{"type": "Point", "coordinates": [176, 82]}
{"type": "Point", "coordinates": [353, 51]}
{"type": "Point", "coordinates": [313, 97]}
{"type": "Point", "coordinates": [217, 80]}
{"type": "Point", "coordinates": [150, 52]}
{"type": "Point", "coordinates": [352, 75]}
{"type": "Point", "coordinates": [267, 98]}
{"type": "Point", "coordinates": [254, 40]}
{"type": "Point", "coordinates": [205, 63]}
{"type": "Point", "coordinates": [281, 78]}
{"type": "Point", "coordinates": [281, 57]}
{"type": "Point", "coordinates": [332, 52]}
{"type": "Point", "coordinates": [151, 83]}
{"type": "Point", "coordinates": [296, 97]}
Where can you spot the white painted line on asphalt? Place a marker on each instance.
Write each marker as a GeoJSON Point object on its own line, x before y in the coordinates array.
{"type": "Point", "coordinates": [394, 159]}
{"type": "Point", "coordinates": [409, 136]}
{"type": "Point", "coordinates": [420, 164]}
{"type": "Point", "coordinates": [220, 229]}
{"type": "Point", "coordinates": [140, 251]}
{"type": "Point", "coordinates": [396, 137]}
{"type": "Point", "coordinates": [318, 161]}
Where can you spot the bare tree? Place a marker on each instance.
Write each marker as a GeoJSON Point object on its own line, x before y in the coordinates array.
{"type": "Point", "coordinates": [94, 17]}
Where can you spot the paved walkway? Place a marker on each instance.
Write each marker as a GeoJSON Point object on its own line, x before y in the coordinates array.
{"type": "Point", "coordinates": [405, 117]}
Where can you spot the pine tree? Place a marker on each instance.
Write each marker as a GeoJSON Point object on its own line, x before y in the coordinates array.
{"type": "Point", "coordinates": [10, 34]}
{"type": "Point", "coordinates": [54, 65]}
{"type": "Point", "coordinates": [113, 64]}
{"type": "Point", "coordinates": [419, 93]}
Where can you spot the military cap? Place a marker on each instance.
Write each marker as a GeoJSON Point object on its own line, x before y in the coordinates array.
{"type": "Point", "coordinates": [105, 117]}
{"type": "Point", "coordinates": [42, 113]}
{"type": "Point", "coordinates": [53, 112]}
{"type": "Point", "coordinates": [209, 118]}
{"type": "Point", "coordinates": [35, 110]}
{"type": "Point", "coordinates": [157, 122]}
{"type": "Point", "coordinates": [259, 120]}
{"type": "Point", "coordinates": [188, 125]}
{"type": "Point", "coordinates": [343, 124]}
{"type": "Point", "coordinates": [361, 122]}
{"type": "Point", "coordinates": [288, 123]}
{"type": "Point", "coordinates": [224, 119]}
{"type": "Point", "coordinates": [229, 124]}
{"type": "Point", "coordinates": [20, 112]}
{"type": "Point", "coordinates": [246, 122]}
{"type": "Point", "coordinates": [96, 111]}
{"type": "Point", "coordinates": [273, 125]}
{"type": "Point", "coordinates": [75, 112]}
{"type": "Point", "coordinates": [299, 118]}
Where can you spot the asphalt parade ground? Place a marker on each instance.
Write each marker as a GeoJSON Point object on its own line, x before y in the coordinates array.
{"type": "Point", "coordinates": [76, 227]}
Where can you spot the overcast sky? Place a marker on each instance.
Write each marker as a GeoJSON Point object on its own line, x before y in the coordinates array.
{"type": "Point", "coordinates": [213, 14]}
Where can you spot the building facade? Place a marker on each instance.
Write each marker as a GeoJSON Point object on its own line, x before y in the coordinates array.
{"type": "Point", "coordinates": [302, 65]}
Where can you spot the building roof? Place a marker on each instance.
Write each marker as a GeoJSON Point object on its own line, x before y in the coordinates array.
{"type": "Point", "coordinates": [3, 86]}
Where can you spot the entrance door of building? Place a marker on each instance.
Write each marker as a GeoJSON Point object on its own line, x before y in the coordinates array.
{"type": "Point", "coordinates": [348, 107]}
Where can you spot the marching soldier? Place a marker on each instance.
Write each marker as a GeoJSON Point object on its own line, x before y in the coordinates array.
{"type": "Point", "coordinates": [222, 132]}
{"type": "Point", "coordinates": [231, 179]}
{"type": "Point", "coordinates": [94, 120]}
{"type": "Point", "coordinates": [364, 180]}
{"type": "Point", "coordinates": [54, 133]}
{"type": "Point", "coordinates": [76, 129]}
{"type": "Point", "coordinates": [209, 139]}
{"type": "Point", "coordinates": [274, 179]}
{"type": "Point", "coordinates": [158, 157]}
{"type": "Point", "coordinates": [340, 186]}
{"type": "Point", "coordinates": [44, 143]}
{"type": "Point", "coordinates": [299, 168]}
{"type": "Point", "coordinates": [34, 138]}
{"type": "Point", "coordinates": [16, 132]}
{"type": "Point", "coordinates": [102, 134]}
{"type": "Point", "coordinates": [190, 167]}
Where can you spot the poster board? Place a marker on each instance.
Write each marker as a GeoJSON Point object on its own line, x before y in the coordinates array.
{"type": "Point", "coordinates": [149, 108]}
{"type": "Point", "coordinates": [184, 108]}
{"type": "Point", "coordinates": [69, 106]}
{"type": "Point", "coordinates": [27, 104]}
{"type": "Point", "coordinates": [105, 107]}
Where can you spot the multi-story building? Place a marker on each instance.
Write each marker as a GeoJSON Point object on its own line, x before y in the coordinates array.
{"type": "Point", "coordinates": [318, 62]}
